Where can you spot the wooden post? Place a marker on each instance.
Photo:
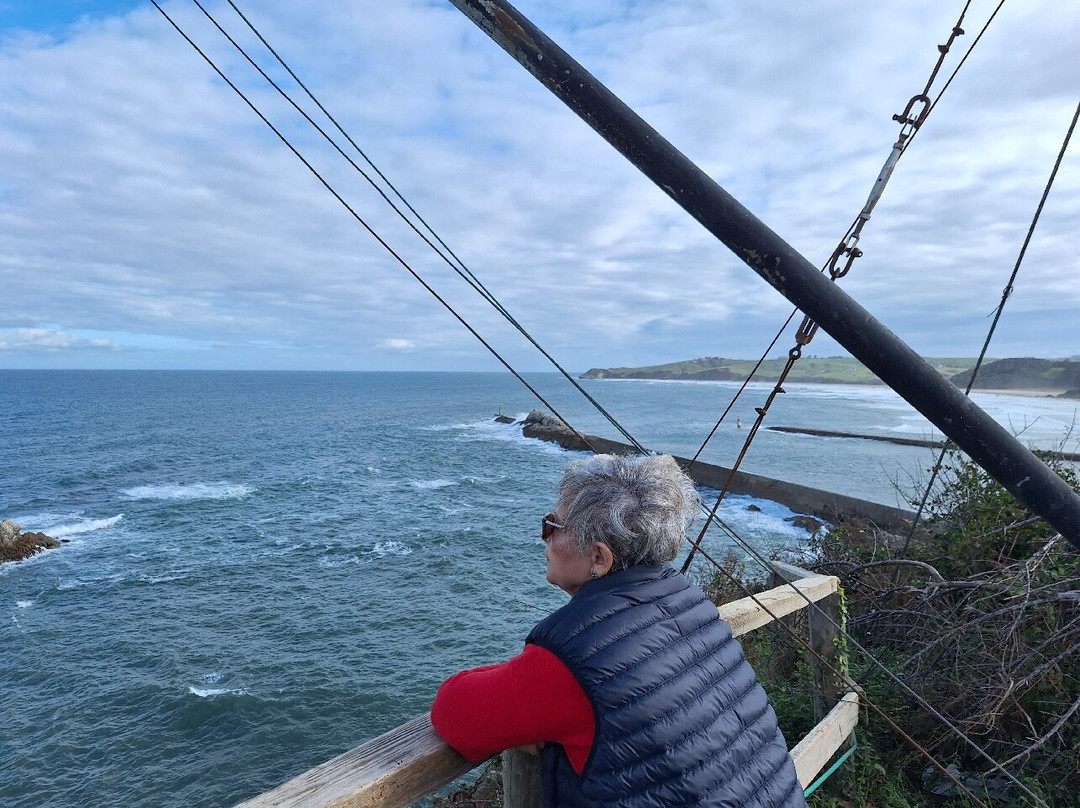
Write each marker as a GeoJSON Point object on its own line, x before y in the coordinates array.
{"type": "Point", "coordinates": [824, 620]}
{"type": "Point", "coordinates": [521, 779]}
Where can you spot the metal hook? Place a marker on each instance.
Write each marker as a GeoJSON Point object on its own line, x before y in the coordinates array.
{"type": "Point", "coordinates": [905, 116]}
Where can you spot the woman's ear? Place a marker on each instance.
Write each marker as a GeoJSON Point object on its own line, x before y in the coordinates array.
{"type": "Point", "coordinates": [602, 560]}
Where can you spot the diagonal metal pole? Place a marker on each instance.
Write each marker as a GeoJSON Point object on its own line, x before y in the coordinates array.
{"type": "Point", "coordinates": [944, 405]}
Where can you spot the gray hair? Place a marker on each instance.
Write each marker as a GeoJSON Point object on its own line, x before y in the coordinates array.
{"type": "Point", "coordinates": [640, 507]}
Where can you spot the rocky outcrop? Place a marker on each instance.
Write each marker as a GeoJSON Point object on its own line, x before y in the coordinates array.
{"type": "Point", "coordinates": [16, 545]}
{"type": "Point", "coordinates": [542, 426]}
{"type": "Point", "coordinates": [808, 523]}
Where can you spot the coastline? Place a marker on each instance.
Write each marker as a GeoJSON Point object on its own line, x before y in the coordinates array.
{"type": "Point", "coordinates": [1023, 393]}
{"type": "Point", "coordinates": [1018, 376]}
{"type": "Point", "coordinates": [1054, 393]}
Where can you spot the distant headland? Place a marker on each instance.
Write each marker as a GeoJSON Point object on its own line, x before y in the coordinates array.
{"type": "Point", "coordinates": [1059, 377]}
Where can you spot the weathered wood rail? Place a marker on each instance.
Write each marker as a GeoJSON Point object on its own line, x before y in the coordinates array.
{"type": "Point", "coordinates": [411, 762]}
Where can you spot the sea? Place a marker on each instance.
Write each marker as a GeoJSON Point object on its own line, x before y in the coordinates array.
{"type": "Point", "coordinates": [263, 570]}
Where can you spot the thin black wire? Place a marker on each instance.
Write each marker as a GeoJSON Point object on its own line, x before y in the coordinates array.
{"type": "Point", "coordinates": [712, 518]}
{"type": "Point", "coordinates": [959, 64]}
{"type": "Point", "coordinates": [746, 381]}
{"type": "Point", "coordinates": [1005, 294]}
{"type": "Point", "coordinates": [854, 224]}
{"type": "Point", "coordinates": [405, 265]}
{"type": "Point", "coordinates": [368, 227]}
{"type": "Point", "coordinates": [853, 232]}
{"type": "Point", "coordinates": [875, 662]}
{"type": "Point", "coordinates": [851, 682]}
{"type": "Point", "coordinates": [456, 264]}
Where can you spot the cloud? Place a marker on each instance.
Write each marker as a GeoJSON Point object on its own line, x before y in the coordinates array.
{"type": "Point", "coordinates": [393, 344]}
{"type": "Point", "coordinates": [44, 339]}
{"type": "Point", "coordinates": [141, 198]}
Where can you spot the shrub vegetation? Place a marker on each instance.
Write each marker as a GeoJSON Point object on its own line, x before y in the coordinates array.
{"type": "Point", "coordinates": [980, 617]}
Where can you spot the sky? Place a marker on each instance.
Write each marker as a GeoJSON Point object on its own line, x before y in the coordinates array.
{"type": "Point", "coordinates": [149, 218]}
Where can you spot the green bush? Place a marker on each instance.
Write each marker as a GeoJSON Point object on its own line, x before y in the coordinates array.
{"type": "Point", "coordinates": [981, 619]}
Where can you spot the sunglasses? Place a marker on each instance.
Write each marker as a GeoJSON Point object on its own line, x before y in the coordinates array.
{"type": "Point", "coordinates": [549, 526]}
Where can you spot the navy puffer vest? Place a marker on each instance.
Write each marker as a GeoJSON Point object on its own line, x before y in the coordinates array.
{"type": "Point", "coordinates": [680, 717]}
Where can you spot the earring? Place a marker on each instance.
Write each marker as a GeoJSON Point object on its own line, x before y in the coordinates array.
{"type": "Point", "coordinates": [592, 575]}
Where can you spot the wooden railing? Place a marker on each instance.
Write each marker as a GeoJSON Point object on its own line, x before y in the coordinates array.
{"type": "Point", "coordinates": [411, 762]}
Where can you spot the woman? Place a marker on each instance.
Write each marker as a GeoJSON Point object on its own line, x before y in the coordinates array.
{"type": "Point", "coordinates": [635, 689]}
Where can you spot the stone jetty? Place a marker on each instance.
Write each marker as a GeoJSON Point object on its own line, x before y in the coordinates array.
{"type": "Point", "coordinates": [824, 505]}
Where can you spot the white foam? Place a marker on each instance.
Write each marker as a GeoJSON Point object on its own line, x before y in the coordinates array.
{"type": "Point", "coordinates": [391, 547]}
{"type": "Point", "coordinates": [24, 604]}
{"type": "Point", "coordinates": [283, 550]}
{"type": "Point", "coordinates": [477, 480]}
{"type": "Point", "coordinates": [765, 519]}
{"type": "Point", "coordinates": [210, 692]}
{"type": "Point", "coordinates": [160, 579]}
{"type": "Point", "coordinates": [42, 519]}
{"type": "Point", "coordinates": [79, 583]}
{"type": "Point", "coordinates": [85, 526]}
{"type": "Point", "coordinates": [332, 563]}
{"type": "Point", "coordinates": [430, 485]}
{"type": "Point", "coordinates": [192, 491]}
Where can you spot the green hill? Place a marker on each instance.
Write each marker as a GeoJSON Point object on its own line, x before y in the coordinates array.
{"type": "Point", "coordinates": [1002, 374]}
{"type": "Point", "coordinates": [1025, 374]}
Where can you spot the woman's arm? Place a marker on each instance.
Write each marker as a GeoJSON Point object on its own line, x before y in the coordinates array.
{"type": "Point", "coordinates": [530, 699]}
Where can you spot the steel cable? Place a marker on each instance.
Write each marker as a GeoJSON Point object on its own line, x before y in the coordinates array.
{"type": "Point", "coordinates": [1005, 294]}
{"type": "Point", "coordinates": [711, 518]}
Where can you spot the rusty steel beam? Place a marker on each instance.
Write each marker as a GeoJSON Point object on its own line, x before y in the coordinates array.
{"type": "Point", "coordinates": [984, 440]}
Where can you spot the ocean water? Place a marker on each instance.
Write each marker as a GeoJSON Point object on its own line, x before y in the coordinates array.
{"type": "Point", "coordinates": [263, 570]}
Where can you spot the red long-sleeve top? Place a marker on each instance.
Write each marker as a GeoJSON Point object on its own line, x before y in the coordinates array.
{"type": "Point", "coordinates": [530, 699]}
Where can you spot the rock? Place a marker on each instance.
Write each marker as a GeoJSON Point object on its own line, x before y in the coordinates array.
{"type": "Point", "coordinates": [938, 784]}
{"type": "Point", "coordinates": [41, 540]}
{"type": "Point", "coordinates": [540, 425]}
{"type": "Point", "coordinates": [503, 419]}
{"type": "Point", "coordinates": [810, 523]}
{"type": "Point", "coordinates": [15, 546]}
{"type": "Point", "coordinates": [754, 508]}
{"type": "Point", "coordinates": [9, 531]}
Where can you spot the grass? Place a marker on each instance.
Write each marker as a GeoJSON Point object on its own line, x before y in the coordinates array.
{"type": "Point", "coordinates": [813, 369]}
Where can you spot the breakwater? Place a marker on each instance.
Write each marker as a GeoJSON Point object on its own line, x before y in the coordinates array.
{"type": "Point", "coordinates": [1072, 457]}
{"type": "Point", "coordinates": [800, 498]}
{"type": "Point", "coordinates": [829, 433]}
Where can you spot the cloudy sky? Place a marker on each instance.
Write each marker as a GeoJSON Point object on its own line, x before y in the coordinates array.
{"type": "Point", "coordinates": [149, 219]}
